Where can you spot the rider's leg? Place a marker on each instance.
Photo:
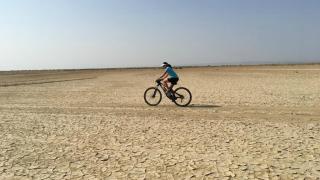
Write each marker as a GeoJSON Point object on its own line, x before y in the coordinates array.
{"type": "Point", "coordinates": [165, 82]}
{"type": "Point", "coordinates": [171, 86]}
{"type": "Point", "coordinates": [172, 81]}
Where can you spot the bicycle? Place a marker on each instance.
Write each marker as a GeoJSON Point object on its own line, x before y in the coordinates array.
{"type": "Point", "coordinates": [181, 96]}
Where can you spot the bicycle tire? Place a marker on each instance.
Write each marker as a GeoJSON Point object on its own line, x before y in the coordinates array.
{"type": "Point", "coordinates": [156, 91]}
{"type": "Point", "coordinates": [176, 101]}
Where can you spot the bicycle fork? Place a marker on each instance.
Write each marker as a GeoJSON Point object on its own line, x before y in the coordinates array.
{"type": "Point", "coordinates": [155, 92]}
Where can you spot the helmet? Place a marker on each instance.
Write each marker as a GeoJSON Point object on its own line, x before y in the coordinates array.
{"type": "Point", "coordinates": [164, 64]}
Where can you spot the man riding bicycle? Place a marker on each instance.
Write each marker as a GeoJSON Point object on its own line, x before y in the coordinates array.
{"type": "Point", "coordinates": [169, 76]}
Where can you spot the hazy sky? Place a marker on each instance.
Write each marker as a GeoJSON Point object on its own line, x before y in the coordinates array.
{"type": "Point", "coordinates": [47, 34]}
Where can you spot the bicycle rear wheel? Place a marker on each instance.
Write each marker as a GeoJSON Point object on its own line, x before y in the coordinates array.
{"type": "Point", "coordinates": [183, 96]}
{"type": "Point", "coordinates": [152, 96]}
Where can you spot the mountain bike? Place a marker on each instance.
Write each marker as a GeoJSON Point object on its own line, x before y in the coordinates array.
{"type": "Point", "coordinates": [180, 96]}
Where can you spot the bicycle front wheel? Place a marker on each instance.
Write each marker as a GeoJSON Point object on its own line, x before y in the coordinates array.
{"type": "Point", "coordinates": [152, 96]}
{"type": "Point", "coordinates": [183, 97]}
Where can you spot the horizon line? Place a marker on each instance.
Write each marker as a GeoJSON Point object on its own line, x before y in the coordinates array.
{"type": "Point", "coordinates": [156, 67]}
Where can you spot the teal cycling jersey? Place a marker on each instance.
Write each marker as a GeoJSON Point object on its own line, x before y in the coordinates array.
{"type": "Point", "coordinates": [171, 72]}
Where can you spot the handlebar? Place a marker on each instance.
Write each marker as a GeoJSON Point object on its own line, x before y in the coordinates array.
{"type": "Point", "coordinates": [158, 81]}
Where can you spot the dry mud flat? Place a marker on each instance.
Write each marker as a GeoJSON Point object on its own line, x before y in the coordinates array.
{"type": "Point", "coordinates": [256, 122]}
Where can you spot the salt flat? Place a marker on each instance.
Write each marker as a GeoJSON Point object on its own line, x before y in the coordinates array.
{"type": "Point", "coordinates": [245, 122]}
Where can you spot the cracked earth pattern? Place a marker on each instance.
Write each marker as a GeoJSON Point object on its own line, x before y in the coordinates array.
{"type": "Point", "coordinates": [257, 122]}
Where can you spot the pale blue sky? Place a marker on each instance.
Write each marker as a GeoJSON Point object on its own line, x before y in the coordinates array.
{"type": "Point", "coordinates": [51, 34]}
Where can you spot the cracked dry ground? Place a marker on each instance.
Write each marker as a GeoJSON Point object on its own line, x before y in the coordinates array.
{"type": "Point", "coordinates": [254, 122]}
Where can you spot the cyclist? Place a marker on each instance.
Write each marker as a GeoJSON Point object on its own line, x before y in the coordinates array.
{"type": "Point", "coordinates": [169, 76]}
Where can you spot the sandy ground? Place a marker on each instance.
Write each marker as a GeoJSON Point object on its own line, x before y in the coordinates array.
{"type": "Point", "coordinates": [243, 123]}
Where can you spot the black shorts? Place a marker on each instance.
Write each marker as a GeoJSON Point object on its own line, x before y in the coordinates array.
{"type": "Point", "coordinates": [173, 80]}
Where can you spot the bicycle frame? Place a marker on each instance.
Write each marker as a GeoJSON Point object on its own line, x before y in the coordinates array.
{"type": "Point", "coordinates": [162, 86]}
{"type": "Point", "coordinates": [170, 89]}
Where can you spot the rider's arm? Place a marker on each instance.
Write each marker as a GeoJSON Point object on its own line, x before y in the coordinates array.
{"type": "Point", "coordinates": [164, 75]}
